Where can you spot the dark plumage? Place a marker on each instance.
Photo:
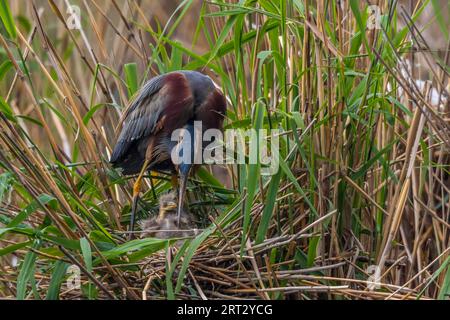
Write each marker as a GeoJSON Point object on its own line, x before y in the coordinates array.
{"type": "Point", "coordinates": [165, 103]}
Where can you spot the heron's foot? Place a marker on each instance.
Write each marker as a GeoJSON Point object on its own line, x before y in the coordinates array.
{"type": "Point", "coordinates": [137, 187]}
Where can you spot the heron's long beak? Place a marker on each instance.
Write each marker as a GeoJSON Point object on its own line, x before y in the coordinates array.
{"type": "Point", "coordinates": [181, 193]}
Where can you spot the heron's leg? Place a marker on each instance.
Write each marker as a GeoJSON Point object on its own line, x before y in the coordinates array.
{"type": "Point", "coordinates": [181, 193]}
{"type": "Point", "coordinates": [174, 181]}
{"type": "Point", "coordinates": [152, 184]}
{"type": "Point", "coordinates": [136, 190]}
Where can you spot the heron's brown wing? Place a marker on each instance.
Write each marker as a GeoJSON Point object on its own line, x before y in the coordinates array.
{"type": "Point", "coordinates": [163, 104]}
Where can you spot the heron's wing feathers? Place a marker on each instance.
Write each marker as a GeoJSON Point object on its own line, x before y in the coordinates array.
{"type": "Point", "coordinates": [162, 103]}
{"type": "Point", "coordinates": [146, 105]}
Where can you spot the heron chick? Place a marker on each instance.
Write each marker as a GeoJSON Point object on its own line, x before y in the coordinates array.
{"type": "Point", "coordinates": [165, 225]}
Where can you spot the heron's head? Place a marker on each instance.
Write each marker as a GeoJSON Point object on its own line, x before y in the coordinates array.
{"type": "Point", "coordinates": [167, 204]}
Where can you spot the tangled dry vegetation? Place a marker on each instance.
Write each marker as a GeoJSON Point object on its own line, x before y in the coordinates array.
{"type": "Point", "coordinates": [364, 180]}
